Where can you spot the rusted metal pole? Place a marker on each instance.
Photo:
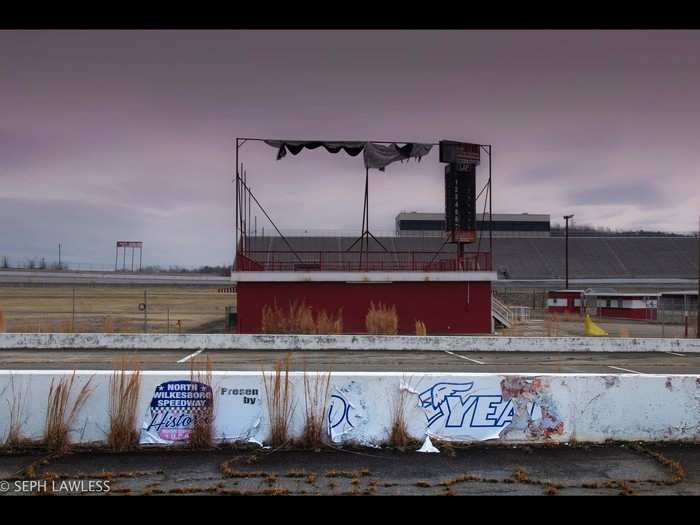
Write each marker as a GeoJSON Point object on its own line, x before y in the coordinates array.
{"type": "Point", "coordinates": [235, 242]}
{"type": "Point", "coordinates": [491, 257]}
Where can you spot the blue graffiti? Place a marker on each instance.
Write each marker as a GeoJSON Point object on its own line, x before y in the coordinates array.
{"type": "Point", "coordinates": [452, 402]}
{"type": "Point", "coordinates": [338, 412]}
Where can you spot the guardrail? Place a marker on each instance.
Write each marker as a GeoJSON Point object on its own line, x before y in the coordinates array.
{"type": "Point", "coordinates": [354, 261]}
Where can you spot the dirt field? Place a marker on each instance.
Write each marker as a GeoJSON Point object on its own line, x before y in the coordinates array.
{"type": "Point", "coordinates": [572, 325]}
{"type": "Point", "coordinates": [201, 309]}
{"type": "Point", "coordinates": [114, 308]}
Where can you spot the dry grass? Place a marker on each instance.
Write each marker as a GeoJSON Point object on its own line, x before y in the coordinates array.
{"type": "Point", "coordinates": [329, 324]}
{"type": "Point", "coordinates": [107, 325]}
{"type": "Point", "coordinates": [299, 319]}
{"type": "Point", "coordinates": [517, 329]}
{"type": "Point", "coordinates": [551, 325]}
{"type": "Point", "coordinates": [316, 390]}
{"type": "Point", "coordinates": [420, 328]}
{"type": "Point", "coordinates": [274, 320]}
{"type": "Point", "coordinates": [124, 389]}
{"type": "Point", "coordinates": [279, 402]}
{"type": "Point", "coordinates": [571, 317]}
{"type": "Point", "coordinates": [59, 419]}
{"type": "Point", "coordinates": [398, 433]}
{"type": "Point", "coordinates": [202, 434]}
{"type": "Point", "coordinates": [3, 324]}
{"type": "Point", "coordinates": [382, 319]}
{"type": "Point", "coordinates": [17, 407]}
{"type": "Point", "coordinates": [41, 307]}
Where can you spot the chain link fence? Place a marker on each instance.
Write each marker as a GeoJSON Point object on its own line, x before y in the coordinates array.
{"type": "Point", "coordinates": [119, 309]}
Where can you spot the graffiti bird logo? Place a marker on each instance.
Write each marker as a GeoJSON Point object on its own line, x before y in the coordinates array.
{"type": "Point", "coordinates": [434, 399]}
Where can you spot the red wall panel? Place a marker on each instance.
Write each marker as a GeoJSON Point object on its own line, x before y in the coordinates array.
{"type": "Point", "coordinates": [570, 302]}
{"type": "Point", "coordinates": [444, 307]}
{"type": "Point", "coordinates": [628, 313]}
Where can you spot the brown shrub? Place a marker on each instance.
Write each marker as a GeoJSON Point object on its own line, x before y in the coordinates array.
{"type": "Point", "coordinates": [273, 320]}
{"type": "Point", "coordinates": [420, 328]}
{"type": "Point", "coordinates": [551, 325]}
{"type": "Point", "coordinates": [624, 331]}
{"type": "Point", "coordinates": [17, 407]}
{"type": "Point", "coordinates": [316, 390]}
{"type": "Point", "coordinates": [329, 324]}
{"type": "Point", "coordinates": [299, 319]}
{"type": "Point", "coordinates": [124, 388]}
{"type": "Point", "coordinates": [59, 419]}
{"type": "Point", "coordinates": [3, 324]}
{"type": "Point", "coordinates": [382, 319]}
{"type": "Point", "coordinates": [202, 434]}
{"type": "Point", "coordinates": [279, 402]}
{"type": "Point", "coordinates": [398, 433]}
{"type": "Point", "coordinates": [107, 325]}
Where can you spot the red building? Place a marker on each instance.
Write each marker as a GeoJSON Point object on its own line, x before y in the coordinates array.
{"type": "Point", "coordinates": [565, 301]}
{"type": "Point", "coordinates": [625, 305]}
{"type": "Point", "coordinates": [447, 299]}
{"type": "Point", "coordinates": [604, 304]}
{"type": "Point", "coordinates": [447, 287]}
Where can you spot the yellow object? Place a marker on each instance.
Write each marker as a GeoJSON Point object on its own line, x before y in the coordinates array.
{"type": "Point", "coordinates": [592, 329]}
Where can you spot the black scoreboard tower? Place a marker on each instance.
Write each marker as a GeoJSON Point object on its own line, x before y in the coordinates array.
{"type": "Point", "coordinates": [460, 202]}
{"type": "Point", "coordinates": [460, 189]}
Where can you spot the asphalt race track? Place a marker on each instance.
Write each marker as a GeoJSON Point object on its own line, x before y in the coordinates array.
{"type": "Point", "coordinates": [365, 361]}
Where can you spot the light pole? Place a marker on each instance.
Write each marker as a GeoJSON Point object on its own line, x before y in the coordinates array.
{"type": "Point", "coordinates": [566, 255]}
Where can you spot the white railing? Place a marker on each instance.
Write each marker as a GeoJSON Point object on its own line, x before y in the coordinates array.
{"type": "Point", "coordinates": [501, 311]}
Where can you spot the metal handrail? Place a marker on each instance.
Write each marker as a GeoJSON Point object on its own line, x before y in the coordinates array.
{"type": "Point", "coordinates": [374, 260]}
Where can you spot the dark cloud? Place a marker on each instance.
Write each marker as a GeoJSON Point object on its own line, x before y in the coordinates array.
{"type": "Point", "coordinates": [133, 130]}
{"type": "Point", "coordinates": [642, 195]}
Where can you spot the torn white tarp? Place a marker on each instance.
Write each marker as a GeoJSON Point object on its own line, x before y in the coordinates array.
{"type": "Point", "coordinates": [428, 447]}
{"type": "Point", "coordinates": [379, 156]}
{"type": "Point", "coordinates": [376, 155]}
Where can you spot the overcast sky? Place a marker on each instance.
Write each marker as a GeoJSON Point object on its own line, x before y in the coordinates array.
{"type": "Point", "coordinates": [108, 135]}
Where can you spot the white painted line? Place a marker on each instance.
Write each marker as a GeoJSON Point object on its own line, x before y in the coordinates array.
{"type": "Point", "coordinates": [625, 370]}
{"type": "Point", "coordinates": [674, 353]}
{"type": "Point", "coordinates": [188, 357]}
{"type": "Point", "coordinates": [463, 357]}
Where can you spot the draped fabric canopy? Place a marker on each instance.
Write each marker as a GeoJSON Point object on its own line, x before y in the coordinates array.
{"type": "Point", "coordinates": [376, 156]}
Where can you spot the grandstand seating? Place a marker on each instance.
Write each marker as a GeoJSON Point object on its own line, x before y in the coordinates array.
{"type": "Point", "coordinates": [526, 258]}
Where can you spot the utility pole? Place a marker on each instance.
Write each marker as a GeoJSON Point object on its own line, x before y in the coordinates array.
{"type": "Point", "coordinates": [566, 255]}
{"type": "Point", "coordinates": [59, 257]}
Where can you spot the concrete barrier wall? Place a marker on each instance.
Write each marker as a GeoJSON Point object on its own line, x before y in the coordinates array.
{"type": "Point", "coordinates": [343, 342]}
{"type": "Point", "coordinates": [359, 407]}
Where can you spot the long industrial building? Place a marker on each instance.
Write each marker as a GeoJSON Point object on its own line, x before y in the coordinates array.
{"type": "Point", "coordinates": [418, 224]}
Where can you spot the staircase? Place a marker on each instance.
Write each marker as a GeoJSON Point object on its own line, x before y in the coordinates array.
{"type": "Point", "coordinates": [501, 313]}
